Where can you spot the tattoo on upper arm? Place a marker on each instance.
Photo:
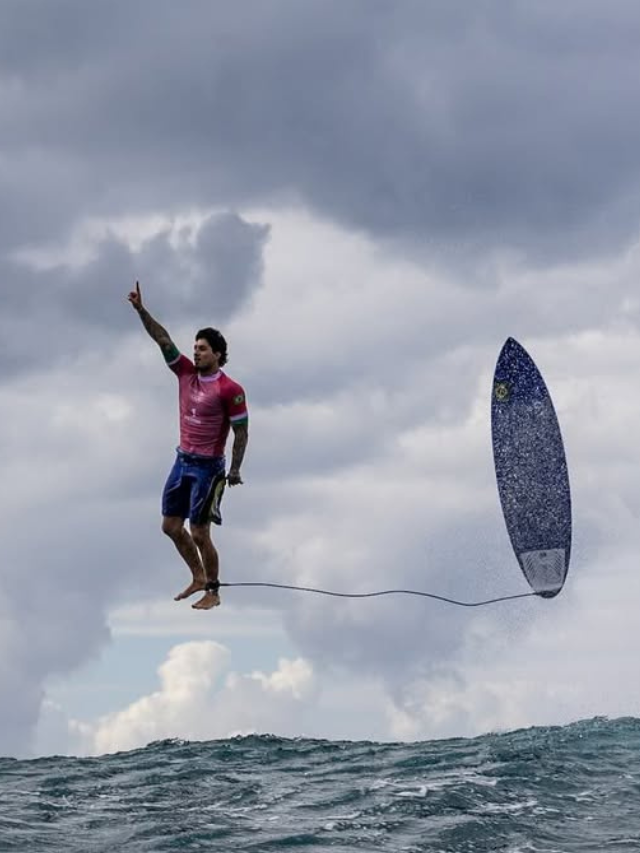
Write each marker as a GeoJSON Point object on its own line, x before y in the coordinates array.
{"type": "Point", "coordinates": [241, 433]}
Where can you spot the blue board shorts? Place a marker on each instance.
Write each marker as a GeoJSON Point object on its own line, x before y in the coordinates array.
{"type": "Point", "coordinates": [194, 488]}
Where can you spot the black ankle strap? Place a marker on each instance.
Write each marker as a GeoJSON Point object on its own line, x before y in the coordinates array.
{"type": "Point", "coordinates": [212, 586]}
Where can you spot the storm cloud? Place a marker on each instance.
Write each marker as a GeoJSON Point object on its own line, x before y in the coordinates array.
{"type": "Point", "coordinates": [367, 198]}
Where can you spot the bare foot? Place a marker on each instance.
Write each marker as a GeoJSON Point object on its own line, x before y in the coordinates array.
{"type": "Point", "coordinates": [208, 600]}
{"type": "Point", "coordinates": [194, 586]}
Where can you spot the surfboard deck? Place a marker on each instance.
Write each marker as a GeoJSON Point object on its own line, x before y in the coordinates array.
{"type": "Point", "coordinates": [531, 470]}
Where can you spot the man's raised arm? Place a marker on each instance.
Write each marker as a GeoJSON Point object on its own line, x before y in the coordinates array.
{"type": "Point", "coordinates": [155, 330]}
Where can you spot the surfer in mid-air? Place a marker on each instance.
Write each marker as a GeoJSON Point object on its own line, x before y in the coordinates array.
{"type": "Point", "coordinates": [211, 403]}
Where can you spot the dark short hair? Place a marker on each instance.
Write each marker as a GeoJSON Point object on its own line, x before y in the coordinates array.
{"type": "Point", "coordinates": [216, 341]}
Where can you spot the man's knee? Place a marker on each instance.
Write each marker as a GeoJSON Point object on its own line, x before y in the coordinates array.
{"type": "Point", "coordinates": [172, 526]}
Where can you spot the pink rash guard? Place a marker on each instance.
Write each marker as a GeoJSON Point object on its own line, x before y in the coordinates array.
{"type": "Point", "coordinates": [208, 407]}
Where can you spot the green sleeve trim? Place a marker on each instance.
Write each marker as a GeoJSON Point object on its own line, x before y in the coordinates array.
{"type": "Point", "coordinates": [171, 353]}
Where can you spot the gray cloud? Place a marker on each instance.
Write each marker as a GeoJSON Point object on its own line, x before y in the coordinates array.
{"type": "Point", "coordinates": [66, 310]}
{"type": "Point", "coordinates": [453, 128]}
{"type": "Point", "coordinates": [448, 133]}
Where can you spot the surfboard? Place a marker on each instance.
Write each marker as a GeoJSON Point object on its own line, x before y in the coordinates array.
{"type": "Point", "coordinates": [531, 470]}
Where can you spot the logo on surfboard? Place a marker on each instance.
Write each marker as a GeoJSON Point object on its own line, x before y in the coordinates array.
{"type": "Point", "coordinates": [501, 391]}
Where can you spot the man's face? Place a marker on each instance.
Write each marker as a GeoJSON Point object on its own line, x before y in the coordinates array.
{"type": "Point", "coordinates": [204, 358]}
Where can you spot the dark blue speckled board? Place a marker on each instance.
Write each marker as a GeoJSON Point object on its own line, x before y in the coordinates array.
{"type": "Point", "coordinates": [531, 470]}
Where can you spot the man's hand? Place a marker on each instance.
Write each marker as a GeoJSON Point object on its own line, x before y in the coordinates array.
{"type": "Point", "coordinates": [234, 478]}
{"type": "Point", "coordinates": [135, 297]}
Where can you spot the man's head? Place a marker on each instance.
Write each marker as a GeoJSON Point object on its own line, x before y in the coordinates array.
{"type": "Point", "coordinates": [209, 351]}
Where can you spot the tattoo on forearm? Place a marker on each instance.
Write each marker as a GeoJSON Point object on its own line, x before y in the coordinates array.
{"type": "Point", "coordinates": [240, 439]}
{"type": "Point", "coordinates": [159, 334]}
{"type": "Point", "coordinates": [155, 330]}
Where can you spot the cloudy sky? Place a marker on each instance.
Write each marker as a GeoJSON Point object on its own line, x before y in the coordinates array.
{"type": "Point", "coordinates": [367, 197]}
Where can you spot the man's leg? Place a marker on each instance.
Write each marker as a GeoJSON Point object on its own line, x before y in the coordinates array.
{"type": "Point", "coordinates": [174, 528]}
{"type": "Point", "coordinates": [201, 536]}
